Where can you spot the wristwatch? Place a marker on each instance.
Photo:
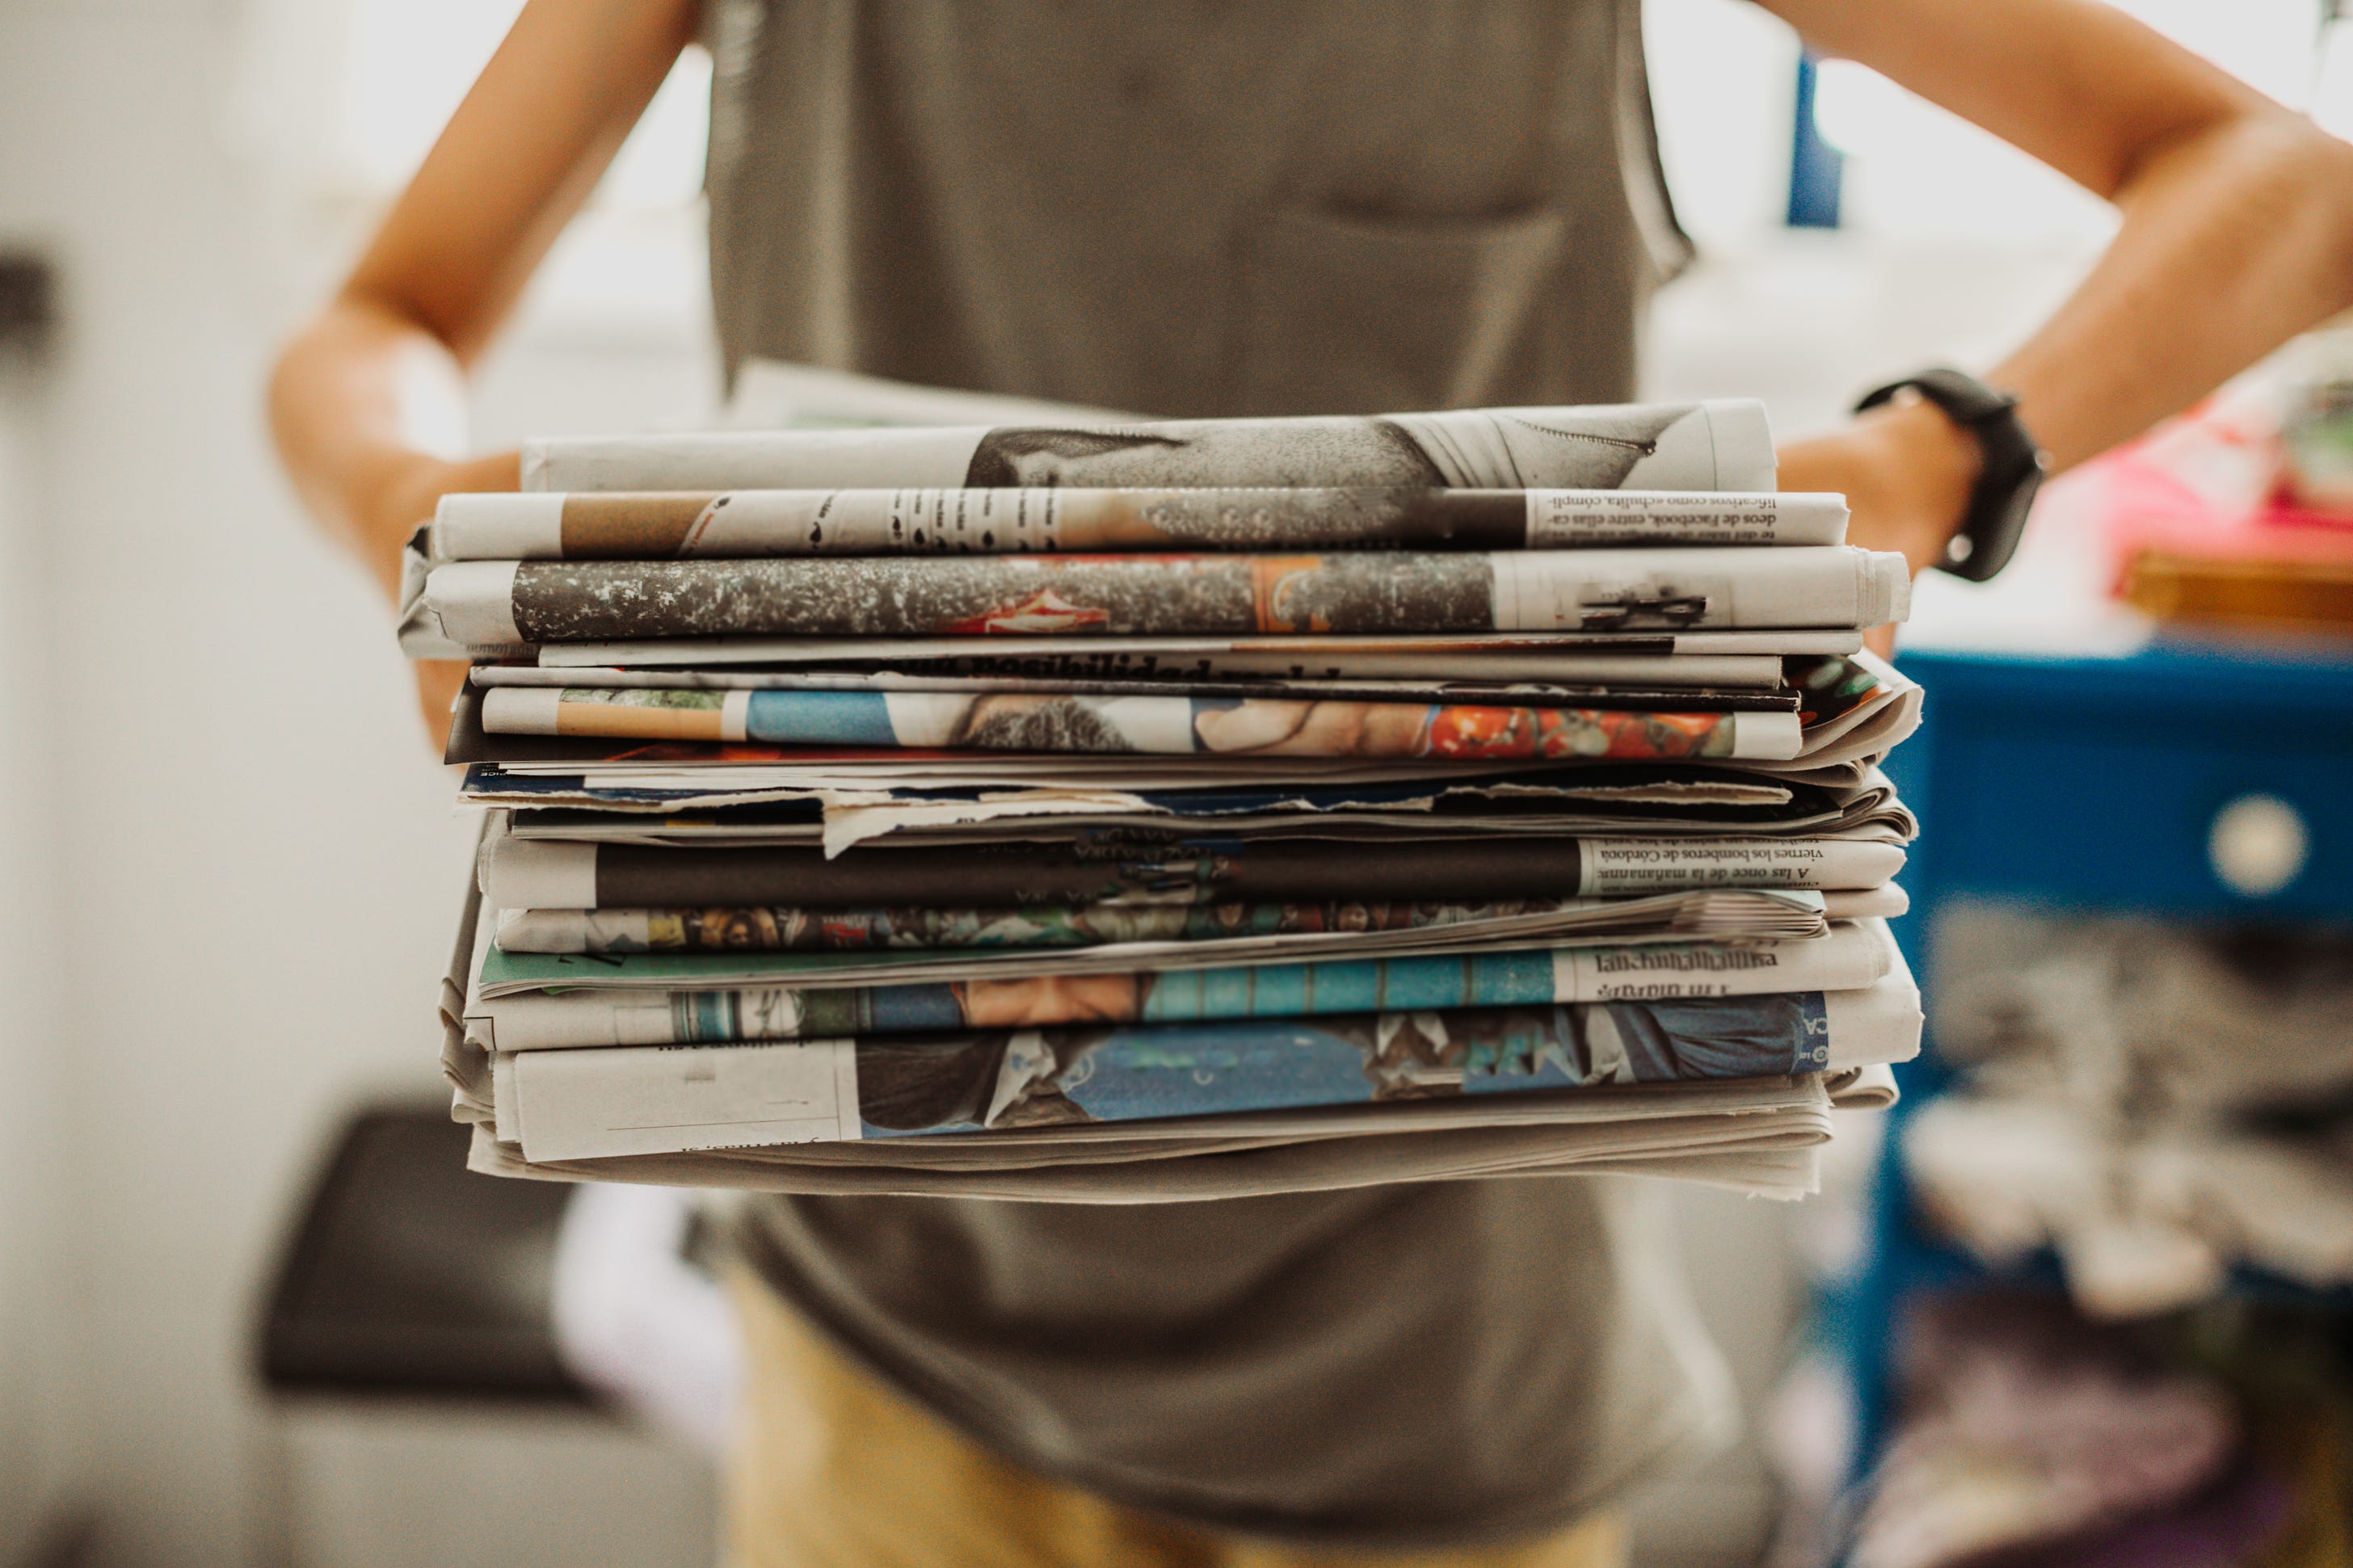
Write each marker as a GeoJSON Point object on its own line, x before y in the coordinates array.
{"type": "Point", "coordinates": [2010, 473]}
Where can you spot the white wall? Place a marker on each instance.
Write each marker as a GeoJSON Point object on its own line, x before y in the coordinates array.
{"type": "Point", "coordinates": [38, 1354]}
{"type": "Point", "coordinates": [231, 765]}
{"type": "Point", "coordinates": [256, 862]}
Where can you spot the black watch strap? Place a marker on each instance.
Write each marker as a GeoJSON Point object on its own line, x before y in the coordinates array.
{"type": "Point", "coordinates": [2009, 470]}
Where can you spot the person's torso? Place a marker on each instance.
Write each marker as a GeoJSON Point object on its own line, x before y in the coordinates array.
{"type": "Point", "coordinates": [1187, 208]}
{"type": "Point", "coordinates": [1191, 208]}
{"type": "Point", "coordinates": [1382, 1367]}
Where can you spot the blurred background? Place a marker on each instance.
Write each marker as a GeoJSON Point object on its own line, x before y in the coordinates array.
{"type": "Point", "coordinates": [224, 910]}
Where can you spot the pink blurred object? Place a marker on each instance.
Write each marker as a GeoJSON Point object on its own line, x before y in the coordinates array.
{"type": "Point", "coordinates": [2210, 484]}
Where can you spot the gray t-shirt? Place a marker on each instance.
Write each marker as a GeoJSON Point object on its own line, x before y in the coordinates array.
{"type": "Point", "coordinates": [1195, 207]}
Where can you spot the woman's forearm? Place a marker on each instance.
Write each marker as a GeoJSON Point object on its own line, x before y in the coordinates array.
{"type": "Point", "coordinates": [2237, 234]}
{"type": "Point", "coordinates": [2233, 240]}
{"type": "Point", "coordinates": [2231, 243]}
{"type": "Point", "coordinates": [2238, 214]}
{"type": "Point", "coordinates": [368, 409]}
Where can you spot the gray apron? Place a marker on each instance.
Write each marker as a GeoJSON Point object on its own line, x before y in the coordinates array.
{"type": "Point", "coordinates": [1253, 206]}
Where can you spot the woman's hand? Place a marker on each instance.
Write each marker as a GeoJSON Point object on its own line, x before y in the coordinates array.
{"type": "Point", "coordinates": [405, 499]}
{"type": "Point", "coordinates": [439, 681]}
{"type": "Point", "coordinates": [1906, 472]}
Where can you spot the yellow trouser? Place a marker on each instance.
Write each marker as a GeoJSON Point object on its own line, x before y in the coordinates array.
{"type": "Point", "coordinates": [833, 1469]}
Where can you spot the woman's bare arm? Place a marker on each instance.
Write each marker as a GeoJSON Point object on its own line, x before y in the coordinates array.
{"type": "Point", "coordinates": [367, 400]}
{"type": "Point", "coordinates": [2237, 234]}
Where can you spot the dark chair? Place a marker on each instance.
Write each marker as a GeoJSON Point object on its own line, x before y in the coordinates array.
{"type": "Point", "coordinates": [419, 1412]}
{"type": "Point", "coordinates": [410, 1275]}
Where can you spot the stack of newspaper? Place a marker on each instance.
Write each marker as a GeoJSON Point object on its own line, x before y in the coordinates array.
{"type": "Point", "coordinates": [1134, 811]}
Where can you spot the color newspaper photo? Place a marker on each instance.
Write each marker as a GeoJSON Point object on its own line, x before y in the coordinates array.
{"type": "Point", "coordinates": [1033, 1077]}
{"type": "Point", "coordinates": [1013, 722]}
{"type": "Point", "coordinates": [532, 1001]}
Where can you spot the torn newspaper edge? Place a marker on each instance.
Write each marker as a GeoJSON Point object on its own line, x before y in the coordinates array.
{"type": "Point", "coordinates": [1662, 801]}
{"type": "Point", "coordinates": [652, 781]}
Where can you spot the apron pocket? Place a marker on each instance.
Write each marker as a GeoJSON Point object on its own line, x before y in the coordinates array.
{"type": "Point", "coordinates": [1346, 315]}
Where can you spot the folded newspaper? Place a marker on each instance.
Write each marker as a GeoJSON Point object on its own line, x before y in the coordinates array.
{"type": "Point", "coordinates": [1683, 801]}
{"type": "Point", "coordinates": [542, 1001]}
{"type": "Point", "coordinates": [1860, 711]}
{"type": "Point", "coordinates": [1108, 811]}
{"type": "Point", "coordinates": [1659, 659]}
{"type": "Point", "coordinates": [485, 605]}
{"type": "Point", "coordinates": [1722, 446]}
{"type": "Point", "coordinates": [539, 873]}
{"type": "Point", "coordinates": [652, 526]}
{"type": "Point", "coordinates": [1117, 931]}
